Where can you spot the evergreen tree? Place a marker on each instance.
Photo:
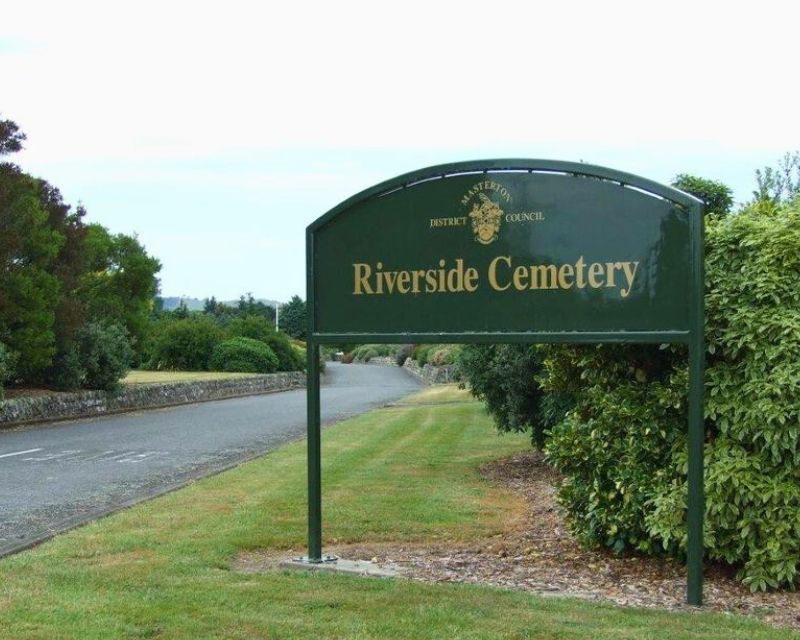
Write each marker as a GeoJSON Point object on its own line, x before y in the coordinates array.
{"type": "Point", "coordinates": [121, 281]}
{"type": "Point", "coordinates": [293, 318]}
{"type": "Point", "coordinates": [717, 197]}
{"type": "Point", "coordinates": [29, 288]}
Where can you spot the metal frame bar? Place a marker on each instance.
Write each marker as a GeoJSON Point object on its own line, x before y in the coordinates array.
{"type": "Point", "coordinates": [693, 338]}
{"type": "Point", "coordinates": [555, 337]}
{"type": "Point", "coordinates": [695, 507]}
{"type": "Point", "coordinates": [314, 436]}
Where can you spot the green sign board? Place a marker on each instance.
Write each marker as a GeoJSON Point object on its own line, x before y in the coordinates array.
{"type": "Point", "coordinates": [504, 252]}
{"type": "Point", "coordinates": [510, 251]}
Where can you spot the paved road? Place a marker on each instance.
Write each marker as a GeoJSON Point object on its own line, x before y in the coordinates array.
{"type": "Point", "coordinates": [55, 476]}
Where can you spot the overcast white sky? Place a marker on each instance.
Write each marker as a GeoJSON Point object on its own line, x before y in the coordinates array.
{"type": "Point", "coordinates": [218, 131]}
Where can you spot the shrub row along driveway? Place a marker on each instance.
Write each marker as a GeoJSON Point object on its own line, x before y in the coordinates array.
{"type": "Point", "coordinates": [55, 476]}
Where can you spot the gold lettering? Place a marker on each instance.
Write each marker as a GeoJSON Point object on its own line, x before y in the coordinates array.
{"type": "Point", "coordinates": [430, 281]}
{"type": "Point", "coordinates": [595, 271]}
{"type": "Point", "coordinates": [493, 272]}
{"type": "Point", "coordinates": [630, 274]}
{"type": "Point", "coordinates": [566, 271]}
{"type": "Point", "coordinates": [416, 275]}
{"type": "Point", "coordinates": [361, 273]}
{"type": "Point", "coordinates": [379, 279]}
{"type": "Point", "coordinates": [459, 221]}
{"type": "Point", "coordinates": [539, 279]}
{"type": "Point", "coordinates": [610, 267]}
{"type": "Point", "coordinates": [503, 275]}
{"type": "Point", "coordinates": [471, 279]}
{"type": "Point", "coordinates": [525, 216]}
{"type": "Point", "coordinates": [520, 278]}
{"type": "Point", "coordinates": [442, 283]}
{"type": "Point", "coordinates": [455, 277]}
{"type": "Point", "coordinates": [403, 279]}
{"type": "Point", "coordinates": [580, 265]}
{"type": "Point", "coordinates": [391, 279]}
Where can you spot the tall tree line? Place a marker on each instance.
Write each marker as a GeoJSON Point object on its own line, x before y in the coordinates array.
{"type": "Point", "coordinates": [74, 298]}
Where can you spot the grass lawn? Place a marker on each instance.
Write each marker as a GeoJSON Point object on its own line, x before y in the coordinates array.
{"type": "Point", "coordinates": [403, 473]}
{"type": "Point", "coordinates": [150, 377]}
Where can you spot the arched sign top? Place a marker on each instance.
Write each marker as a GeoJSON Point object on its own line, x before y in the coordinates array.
{"type": "Point", "coordinates": [506, 165]}
{"type": "Point", "coordinates": [534, 250]}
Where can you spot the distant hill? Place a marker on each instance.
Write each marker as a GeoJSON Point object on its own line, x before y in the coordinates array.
{"type": "Point", "coordinates": [196, 304]}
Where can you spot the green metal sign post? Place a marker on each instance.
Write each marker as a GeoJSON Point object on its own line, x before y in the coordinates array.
{"type": "Point", "coordinates": [526, 251]}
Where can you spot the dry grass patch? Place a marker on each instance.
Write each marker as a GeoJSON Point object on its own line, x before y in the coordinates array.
{"type": "Point", "coordinates": [161, 377]}
{"type": "Point", "coordinates": [437, 394]}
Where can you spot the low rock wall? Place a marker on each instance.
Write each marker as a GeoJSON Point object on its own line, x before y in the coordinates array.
{"type": "Point", "coordinates": [383, 360]}
{"type": "Point", "coordinates": [82, 404]}
{"type": "Point", "coordinates": [428, 373]}
{"type": "Point", "coordinates": [431, 374]}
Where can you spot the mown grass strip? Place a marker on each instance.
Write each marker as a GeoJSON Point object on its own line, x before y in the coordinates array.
{"type": "Point", "coordinates": [410, 473]}
{"type": "Point", "coordinates": [155, 377]}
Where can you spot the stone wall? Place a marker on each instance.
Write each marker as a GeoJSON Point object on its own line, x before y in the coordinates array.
{"type": "Point", "coordinates": [383, 360]}
{"type": "Point", "coordinates": [82, 404]}
{"type": "Point", "coordinates": [431, 374]}
{"type": "Point", "coordinates": [428, 373]}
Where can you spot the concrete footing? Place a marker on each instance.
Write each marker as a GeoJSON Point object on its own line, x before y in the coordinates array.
{"type": "Point", "coordinates": [339, 565]}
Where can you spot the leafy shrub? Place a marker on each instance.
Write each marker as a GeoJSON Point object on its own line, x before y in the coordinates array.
{"type": "Point", "coordinates": [185, 344]}
{"type": "Point", "coordinates": [67, 372]}
{"type": "Point", "coordinates": [779, 184]}
{"type": "Point", "coordinates": [245, 355]}
{"type": "Point", "coordinates": [435, 354]}
{"type": "Point", "coordinates": [615, 445]}
{"type": "Point", "coordinates": [366, 352]}
{"type": "Point", "coordinates": [104, 353]}
{"type": "Point", "coordinates": [255, 327]}
{"type": "Point", "coordinates": [420, 353]}
{"type": "Point", "coordinates": [623, 446]}
{"type": "Point", "coordinates": [259, 328]}
{"type": "Point", "coordinates": [289, 358]}
{"type": "Point", "coordinates": [403, 353]}
{"type": "Point", "coordinates": [293, 317]}
{"type": "Point", "coordinates": [441, 355]}
{"type": "Point", "coordinates": [327, 352]}
{"type": "Point", "coordinates": [753, 400]}
{"type": "Point", "coordinates": [717, 197]}
{"type": "Point", "coordinates": [504, 377]}
{"type": "Point", "coordinates": [7, 362]}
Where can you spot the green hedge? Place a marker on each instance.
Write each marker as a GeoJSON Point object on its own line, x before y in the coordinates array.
{"type": "Point", "coordinates": [188, 343]}
{"type": "Point", "coordinates": [105, 355]}
{"type": "Point", "coordinates": [436, 354]}
{"type": "Point", "coordinates": [258, 328]}
{"type": "Point", "coordinates": [245, 355]}
{"type": "Point", "coordinates": [185, 344]}
{"type": "Point", "coordinates": [6, 367]}
{"type": "Point", "coordinates": [366, 352]}
{"type": "Point", "coordinates": [623, 447]}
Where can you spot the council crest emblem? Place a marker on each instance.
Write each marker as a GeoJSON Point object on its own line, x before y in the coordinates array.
{"type": "Point", "coordinates": [486, 216]}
